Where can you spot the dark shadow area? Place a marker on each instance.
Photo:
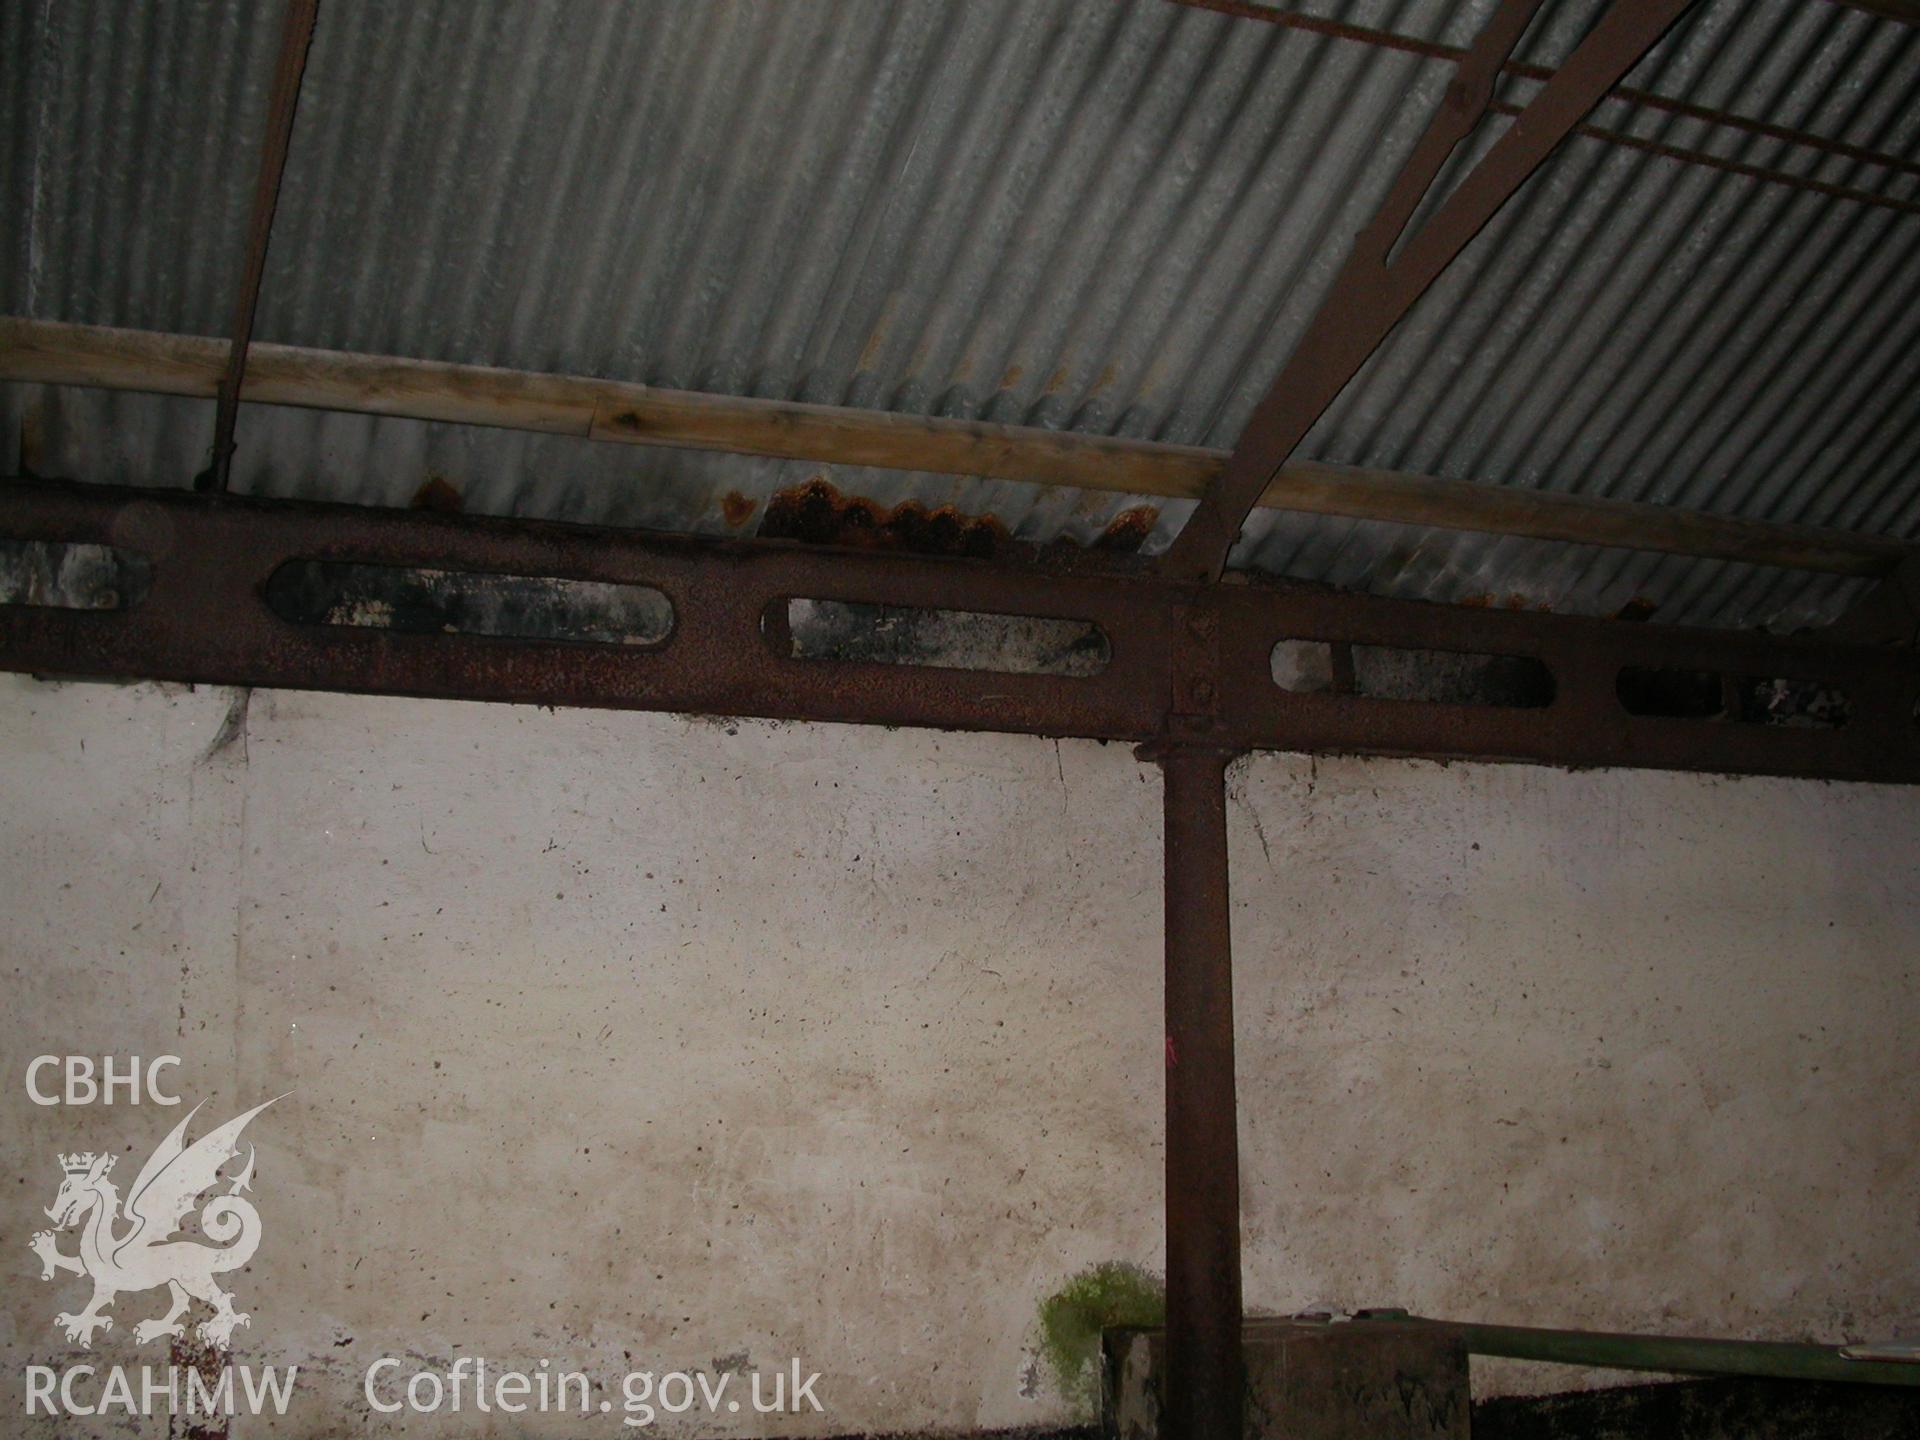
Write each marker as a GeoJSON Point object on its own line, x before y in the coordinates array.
{"type": "Point", "coordinates": [1706, 1410]}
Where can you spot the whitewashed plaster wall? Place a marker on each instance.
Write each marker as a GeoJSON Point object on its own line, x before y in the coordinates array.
{"type": "Point", "coordinates": [640, 1042]}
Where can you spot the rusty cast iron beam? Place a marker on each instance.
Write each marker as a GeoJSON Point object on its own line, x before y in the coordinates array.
{"type": "Point", "coordinates": [204, 618]}
{"type": "Point", "coordinates": [296, 38]}
{"type": "Point", "coordinates": [1205, 1389]}
{"type": "Point", "coordinates": [1377, 286]}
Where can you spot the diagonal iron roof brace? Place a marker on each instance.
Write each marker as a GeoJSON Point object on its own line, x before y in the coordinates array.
{"type": "Point", "coordinates": [296, 38]}
{"type": "Point", "coordinates": [1376, 287]}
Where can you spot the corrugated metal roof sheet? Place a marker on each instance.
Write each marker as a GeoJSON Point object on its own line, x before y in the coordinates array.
{"type": "Point", "coordinates": [1112, 217]}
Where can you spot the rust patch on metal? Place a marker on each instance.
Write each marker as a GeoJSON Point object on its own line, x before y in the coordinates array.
{"type": "Point", "coordinates": [190, 1352]}
{"type": "Point", "coordinates": [1129, 530]}
{"type": "Point", "coordinates": [1513, 600]}
{"type": "Point", "coordinates": [819, 513]}
{"type": "Point", "coordinates": [737, 509]}
{"type": "Point", "coordinates": [436, 493]}
{"type": "Point", "coordinates": [1012, 377]}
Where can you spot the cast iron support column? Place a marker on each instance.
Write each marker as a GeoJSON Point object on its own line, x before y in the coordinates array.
{"type": "Point", "coordinates": [1204, 1389]}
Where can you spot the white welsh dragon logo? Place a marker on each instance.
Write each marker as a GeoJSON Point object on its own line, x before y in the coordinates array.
{"type": "Point", "coordinates": [142, 1256]}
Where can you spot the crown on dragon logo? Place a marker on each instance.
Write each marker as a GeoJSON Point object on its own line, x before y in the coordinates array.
{"type": "Point", "coordinates": [81, 1162]}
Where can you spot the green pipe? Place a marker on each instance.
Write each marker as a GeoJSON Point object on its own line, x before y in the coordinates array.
{"type": "Point", "coordinates": [1770, 1359]}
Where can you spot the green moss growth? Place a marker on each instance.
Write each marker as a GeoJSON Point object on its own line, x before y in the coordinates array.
{"type": "Point", "coordinates": [1071, 1319]}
